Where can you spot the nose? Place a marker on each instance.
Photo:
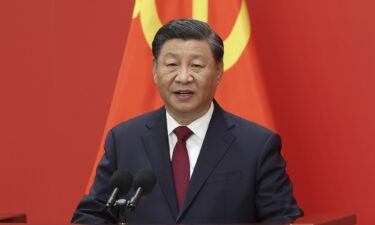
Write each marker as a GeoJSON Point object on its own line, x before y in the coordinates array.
{"type": "Point", "coordinates": [183, 75]}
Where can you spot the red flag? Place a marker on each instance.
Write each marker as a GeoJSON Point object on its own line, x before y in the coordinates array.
{"type": "Point", "coordinates": [241, 90]}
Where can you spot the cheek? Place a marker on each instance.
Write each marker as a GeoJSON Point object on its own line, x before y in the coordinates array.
{"type": "Point", "coordinates": [211, 82]}
{"type": "Point", "coordinates": [163, 82]}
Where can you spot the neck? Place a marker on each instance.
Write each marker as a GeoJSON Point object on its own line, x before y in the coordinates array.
{"type": "Point", "coordinates": [188, 117]}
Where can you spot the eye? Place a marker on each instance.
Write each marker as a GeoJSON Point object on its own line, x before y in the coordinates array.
{"type": "Point", "coordinates": [197, 66]}
{"type": "Point", "coordinates": [171, 64]}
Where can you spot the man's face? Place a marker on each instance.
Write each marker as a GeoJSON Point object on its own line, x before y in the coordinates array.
{"type": "Point", "coordinates": [187, 75]}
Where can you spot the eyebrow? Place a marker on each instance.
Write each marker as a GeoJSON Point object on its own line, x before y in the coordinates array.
{"type": "Point", "coordinates": [176, 55]}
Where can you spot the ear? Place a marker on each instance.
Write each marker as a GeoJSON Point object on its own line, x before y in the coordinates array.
{"type": "Point", "coordinates": [154, 67]}
{"type": "Point", "coordinates": [219, 71]}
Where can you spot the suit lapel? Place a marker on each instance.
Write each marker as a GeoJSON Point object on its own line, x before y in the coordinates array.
{"type": "Point", "coordinates": [217, 141]}
{"type": "Point", "coordinates": [157, 148]}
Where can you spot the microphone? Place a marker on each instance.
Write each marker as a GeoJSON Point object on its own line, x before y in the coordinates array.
{"type": "Point", "coordinates": [143, 184]}
{"type": "Point", "coordinates": [120, 183]}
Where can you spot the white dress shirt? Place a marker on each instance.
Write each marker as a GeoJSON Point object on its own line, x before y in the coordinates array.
{"type": "Point", "coordinates": [195, 141]}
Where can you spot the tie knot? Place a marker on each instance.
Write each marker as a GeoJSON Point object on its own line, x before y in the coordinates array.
{"type": "Point", "coordinates": [182, 133]}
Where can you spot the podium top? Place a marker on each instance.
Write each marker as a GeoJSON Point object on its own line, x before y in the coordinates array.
{"type": "Point", "coordinates": [327, 219]}
{"type": "Point", "coordinates": [12, 218]}
{"type": "Point", "coordinates": [322, 219]}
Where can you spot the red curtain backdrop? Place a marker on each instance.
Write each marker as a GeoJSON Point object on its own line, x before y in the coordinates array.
{"type": "Point", "coordinates": [59, 64]}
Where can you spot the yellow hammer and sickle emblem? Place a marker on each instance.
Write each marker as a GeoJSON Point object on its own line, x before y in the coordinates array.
{"type": "Point", "coordinates": [234, 44]}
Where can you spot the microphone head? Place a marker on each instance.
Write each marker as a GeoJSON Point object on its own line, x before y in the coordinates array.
{"type": "Point", "coordinates": [146, 180]}
{"type": "Point", "coordinates": [122, 180]}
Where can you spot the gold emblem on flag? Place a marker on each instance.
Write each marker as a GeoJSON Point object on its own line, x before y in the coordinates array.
{"type": "Point", "coordinates": [234, 44]}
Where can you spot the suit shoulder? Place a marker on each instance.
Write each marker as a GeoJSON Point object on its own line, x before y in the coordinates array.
{"type": "Point", "coordinates": [249, 133]}
{"type": "Point", "coordinates": [138, 123]}
{"type": "Point", "coordinates": [248, 126]}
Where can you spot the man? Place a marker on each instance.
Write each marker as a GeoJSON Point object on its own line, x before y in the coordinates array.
{"type": "Point", "coordinates": [211, 166]}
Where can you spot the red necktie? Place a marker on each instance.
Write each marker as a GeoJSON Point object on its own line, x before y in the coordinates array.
{"type": "Point", "coordinates": [180, 163]}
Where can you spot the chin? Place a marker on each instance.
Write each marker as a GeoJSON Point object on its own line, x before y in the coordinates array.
{"type": "Point", "coordinates": [182, 108]}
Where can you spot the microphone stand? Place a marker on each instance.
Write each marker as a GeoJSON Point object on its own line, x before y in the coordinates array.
{"type": "Point", "coordinates": [125, 205]}
{"type": "Point", "coordinates": [122, 204]}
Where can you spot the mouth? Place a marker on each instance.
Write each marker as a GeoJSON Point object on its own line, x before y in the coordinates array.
{"type": "Point", "coordinates": [183, 94]}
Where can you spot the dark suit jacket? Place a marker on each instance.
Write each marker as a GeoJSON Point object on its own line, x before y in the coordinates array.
{"type": "Point", "coordinates": [239, 177]}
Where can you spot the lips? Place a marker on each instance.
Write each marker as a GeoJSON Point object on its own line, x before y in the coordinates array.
{"type": "Point", "coordinates": [183, 94]}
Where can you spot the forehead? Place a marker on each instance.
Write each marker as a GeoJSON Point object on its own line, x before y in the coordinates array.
{"type": "Point", "coordinates": [189, 48]}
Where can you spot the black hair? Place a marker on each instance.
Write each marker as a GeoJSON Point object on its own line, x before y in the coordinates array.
{"type": "Point", "coordinates": [188, 29]}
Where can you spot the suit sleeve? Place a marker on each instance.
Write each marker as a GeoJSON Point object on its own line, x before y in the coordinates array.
{"type": "Point", "coordinates": [274, 195]}
{"type": "Point", "coordinates": [91, 209]}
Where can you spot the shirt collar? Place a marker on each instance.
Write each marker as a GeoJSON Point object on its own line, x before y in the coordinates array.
{"type": "Point", "coordinates": [198, 127]}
